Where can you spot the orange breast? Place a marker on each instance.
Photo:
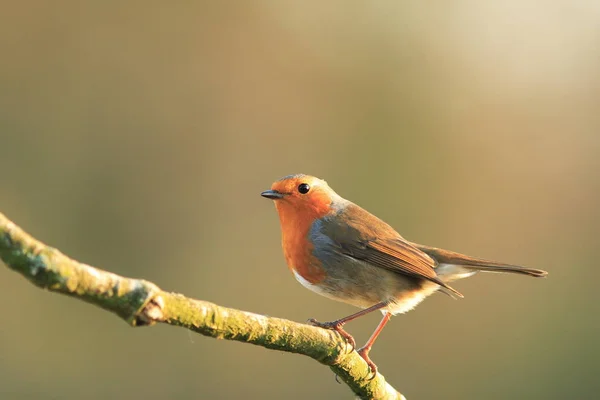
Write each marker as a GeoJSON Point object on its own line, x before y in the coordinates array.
{"type": "Point", "coordinates": [297, 248]}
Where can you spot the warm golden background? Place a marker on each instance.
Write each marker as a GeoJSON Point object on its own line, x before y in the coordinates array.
{"type": "Point", "coordinates": [137, 137]}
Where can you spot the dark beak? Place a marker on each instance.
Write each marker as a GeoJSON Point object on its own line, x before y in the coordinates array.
{"type": "Point", "coordinates": [272, 194]}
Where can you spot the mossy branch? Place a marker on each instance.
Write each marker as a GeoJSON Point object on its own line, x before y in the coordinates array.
{"type": "Point", "coordinates": [140, 302]}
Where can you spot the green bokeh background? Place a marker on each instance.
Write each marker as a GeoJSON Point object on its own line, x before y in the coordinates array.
{"type": "Point", "coordinates": [137, 136]}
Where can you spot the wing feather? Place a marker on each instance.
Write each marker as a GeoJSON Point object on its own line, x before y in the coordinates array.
{"type": "Point", "coordinates": [363, 236]}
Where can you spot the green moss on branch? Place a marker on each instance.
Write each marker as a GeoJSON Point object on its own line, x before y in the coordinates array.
{"type": "Point", "coordinates": [140, 302]}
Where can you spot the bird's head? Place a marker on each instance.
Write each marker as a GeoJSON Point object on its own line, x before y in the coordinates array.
{"type": "Point", "coordinates": [302, 196]}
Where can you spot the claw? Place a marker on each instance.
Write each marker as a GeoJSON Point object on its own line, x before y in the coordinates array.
{"type": "Point", "coordinates": [335, 326]}
{"type": "Point", "coordinates": [364, 353]}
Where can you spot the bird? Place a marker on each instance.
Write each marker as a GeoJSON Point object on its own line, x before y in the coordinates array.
{"type": "Point", "coordinates": [339, 250]}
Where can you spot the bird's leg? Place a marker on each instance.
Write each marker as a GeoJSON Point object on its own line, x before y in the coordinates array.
{"type": "Point", "coordinates": [339, 323]}
{"type": "Point", "coordinates": [364, 351]}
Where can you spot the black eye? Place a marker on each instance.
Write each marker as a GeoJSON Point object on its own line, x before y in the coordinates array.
{"type": "Point", "coordinates": [303, 188]}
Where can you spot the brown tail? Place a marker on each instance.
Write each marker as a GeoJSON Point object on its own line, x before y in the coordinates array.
{"type": "Point", "coordinates": [478, 264]}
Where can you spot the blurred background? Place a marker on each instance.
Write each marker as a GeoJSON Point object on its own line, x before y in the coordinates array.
{"type": "Point", "coordinates": [137, 137]}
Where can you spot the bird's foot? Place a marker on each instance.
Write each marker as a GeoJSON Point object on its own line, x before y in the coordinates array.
{"type": "Point", "coordinates": [364, 353]}
{"type": "Point", "coordinates": [335, 326]}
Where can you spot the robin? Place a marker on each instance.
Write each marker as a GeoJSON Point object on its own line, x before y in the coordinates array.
{"type": "Point", "coordinates": [341, 251]}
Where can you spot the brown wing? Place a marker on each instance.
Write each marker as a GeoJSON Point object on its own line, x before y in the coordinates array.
{"type": "Point", "coordinates": [363, 236]}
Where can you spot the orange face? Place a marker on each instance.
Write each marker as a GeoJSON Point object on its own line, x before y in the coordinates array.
{"type": "Point", "coordinates": [300, 194]}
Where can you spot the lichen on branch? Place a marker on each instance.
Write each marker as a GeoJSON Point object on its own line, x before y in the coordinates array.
{"type": "Point", "coordinates": [140, 302]}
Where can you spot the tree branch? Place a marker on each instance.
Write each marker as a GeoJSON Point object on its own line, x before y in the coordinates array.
{"type": "Point", "coordinates": [140, 302]}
